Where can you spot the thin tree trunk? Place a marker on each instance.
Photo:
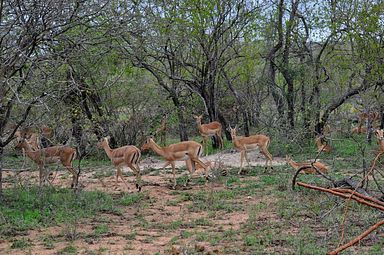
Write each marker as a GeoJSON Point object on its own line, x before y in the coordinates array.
{"type": "Point", "coordinates": [1, 173]}
{"type": "Point", "coordinates": [180, 115]}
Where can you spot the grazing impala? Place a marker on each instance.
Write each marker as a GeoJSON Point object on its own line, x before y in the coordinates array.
{"type": "Point", "coordinates": [308, 167]}
{"type": "Point", "coordinates": [189, 151]}
{"type": "Point", "coordinates": [207, 130]}
{"type": "Point", "coordinates": [124, 156]}
{"type": "Point", "coordinates": [321, 146]}
{"type": "Point", "coordinates": [55, 154]}
{"type": "Point", "coordinates": [244, 144]}
{"type": "Point", "coordinates": [380, 137]}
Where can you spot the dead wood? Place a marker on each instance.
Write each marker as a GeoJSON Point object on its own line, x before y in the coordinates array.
{"type": "Point", "coordinates": [357, 238]}
{"type": "Point", "coordinates": [340, 194]}
{"type": "Point", "coordinates": [349, 183]}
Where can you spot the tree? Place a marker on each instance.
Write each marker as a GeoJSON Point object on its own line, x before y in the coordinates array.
{"type": "Point", "coordinates": [28, 30]}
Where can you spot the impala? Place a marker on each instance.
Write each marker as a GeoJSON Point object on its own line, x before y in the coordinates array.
{"type": "Point", "coordinates": [308, 167]}
{"type": "Point", "coordinates": [55, 154]}
{"type": "Point", "coordinates": [128, 156]}
{"type": "Point", "coordinates": [207, 130]}
{"type": "Point", "coordinates": [189, 151]}
{"type": "Point", "coordinates": [380, 137]}
{"type": "Point", "coordinates": [321, 146]}
{"type": "Point", "coordinates": [359, 130]}
{"type": "Point", "coordinates": [245, 144]}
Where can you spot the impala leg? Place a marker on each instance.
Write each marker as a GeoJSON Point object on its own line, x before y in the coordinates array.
{"type": "Point", "coordinates": [166, 164]}
{"type": "Point", "coordinates": [205, 142]}
{"type": "Point", "coordinates": [74, 176]}
{"type": "Point", "coordinates": [268, 158]}
{"type": "Point", "coordinates": [241, 161]}
{"type": "Point", "coordinates": [191, 169]}
{"type": "Point", "coordinates": [246, 158]}
{"type": "Point", "coordinates": [174, 174]}
{"type": "Point", "coordinates": [120, 173]}
{"type": "Point", "coordinates": [136, 170]}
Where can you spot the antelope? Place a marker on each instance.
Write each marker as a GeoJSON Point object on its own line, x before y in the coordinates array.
{"type": "Point", "coordinates": [380, 137]}
{"type": "Point", "coordinates": [245, 144]}
{"type": "Point", "coordinates": [128, 155]}
{"type": "Point", "coordinates": [359, 130]}
{"type": "Point", "coordinates": [189, 151]}
{"type": "Point", "coordinates": [210, 129]}
{"type": "Point", "coordinates": [55, 154]}
{"type": "Point", "coordinates": [308, 167]}
{"type": "Point", "coordinates": [322, 147]}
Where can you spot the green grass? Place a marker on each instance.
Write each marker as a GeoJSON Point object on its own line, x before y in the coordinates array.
{"type": "Point", "coordinates": [29, 208]}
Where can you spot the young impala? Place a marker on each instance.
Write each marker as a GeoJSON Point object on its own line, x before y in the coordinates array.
{"type": "Point", "coordinates": [308, 167]}
{"type": "Point", "coordinates": [245, 144]}
{"type": "Point", "coordinates": [189, 151]}
{"type": "Point", "coordinates": [55, 154]}
{"type": "Point", "coordinates": [128, 156]}
{"type": "Point", "coordinates": [207, 130]}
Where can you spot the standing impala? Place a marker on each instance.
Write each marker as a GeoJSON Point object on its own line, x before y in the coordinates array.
{"type": "Point", "coordinates": [124, 156]}
{"type": "Point", "coordinates": [189, 151]}
{"type": "Point", "coordinates": [55, 154]}
{"type": "Point", "coordinates": [207, 130]}
{"type": "Point", "coordinates": [244, 144]}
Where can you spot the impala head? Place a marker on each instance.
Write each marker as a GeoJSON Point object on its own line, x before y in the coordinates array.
{"type": "Point", "coordinates": [102, 142]}
{"type": "Point", "coordinates": [198, 118]}
{"type": "Point", "coordinates": [379, 134]}
{"type": "Point", "coordinates": [147, 144]}
{"type": "Point", "coordinates": [232, 131]}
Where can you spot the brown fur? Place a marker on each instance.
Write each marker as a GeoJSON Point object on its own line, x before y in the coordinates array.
{"type": "Point", "coordinates": [55, 154]}
{"type": "Point", "coordinates": [210, 129]}
{"type": "Point", "coordinates": [310, 170]}
{"type": "Point", "coordinates": [189, 151]}
{"type": "Point", "coordinates": [244, 144]}
{"type": "Point", "coordinates": [123, 156]}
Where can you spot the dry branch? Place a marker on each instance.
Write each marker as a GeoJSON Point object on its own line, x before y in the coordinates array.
{"type": "Point", "coordinates": [356, 239]}
{"type": "Point", "coordinates": [357, 197]}
{"type": "Point", "coordinates": [340, 194]}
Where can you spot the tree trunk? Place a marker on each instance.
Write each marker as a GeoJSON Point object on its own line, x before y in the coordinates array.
{"type": "Point", "coordinates": [279, 101]}
{"type": "Point", "coordinates": [180, 115]}
{"type": "Point", "coordinates": [1, 173]}
{"type": "Point", "coordinates": [224, 122]}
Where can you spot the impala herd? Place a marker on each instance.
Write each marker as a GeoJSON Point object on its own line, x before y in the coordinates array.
{"type": "Point", "coordinates": [188, 151]}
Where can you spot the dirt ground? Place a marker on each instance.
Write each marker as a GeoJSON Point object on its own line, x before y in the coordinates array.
{"type": "Point", "coordinates": [127, 235]}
